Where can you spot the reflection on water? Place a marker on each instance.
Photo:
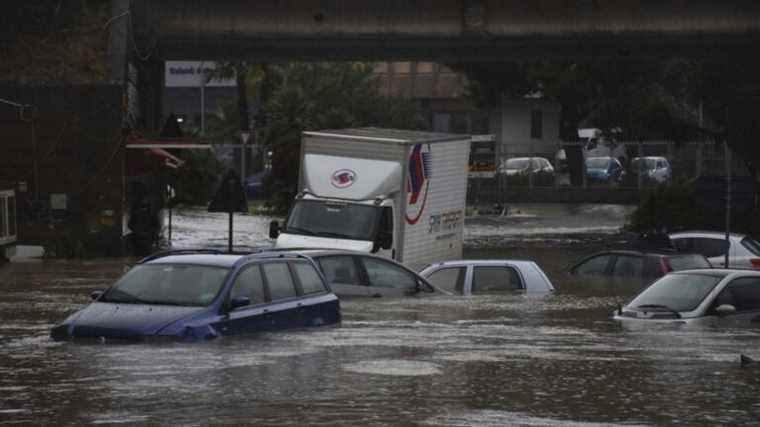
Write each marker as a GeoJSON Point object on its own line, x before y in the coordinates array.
{"type": "Point", "coordinates": [486, 360]}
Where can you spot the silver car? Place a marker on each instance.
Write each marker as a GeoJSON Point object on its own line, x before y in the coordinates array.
{"type": "Point", "coordinates": [720, 297]}
{"type": "Point", "coordinates": [473, 277]}
{"type": "Point", "coordinates": [358, 274]}
{"type": "Point", "coordinates": [743, 251]}
{"type": "Point", "coordinates": [652, 168]}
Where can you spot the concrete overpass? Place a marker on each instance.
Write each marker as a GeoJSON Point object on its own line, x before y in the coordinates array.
{"type": "Point", "coordinates": [441, 30]}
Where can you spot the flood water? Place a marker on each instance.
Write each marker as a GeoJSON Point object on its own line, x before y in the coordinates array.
{"type": "Point", "coordinates": [490, 360]}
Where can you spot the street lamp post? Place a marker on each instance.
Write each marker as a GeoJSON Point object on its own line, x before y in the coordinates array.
{"type": "Point", "coordinates": [244, 135]}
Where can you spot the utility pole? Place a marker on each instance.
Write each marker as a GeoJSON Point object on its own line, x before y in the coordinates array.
{"type": "Point", "coordinates": [727, 155]}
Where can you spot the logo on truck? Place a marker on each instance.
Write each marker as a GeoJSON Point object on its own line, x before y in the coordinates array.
{"type": "Point", "coordinates": [418, 182]}
{"type": "Point", "coordinates": [343, 178]}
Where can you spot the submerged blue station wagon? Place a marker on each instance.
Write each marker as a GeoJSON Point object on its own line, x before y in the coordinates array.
{"type": "Point", "coordinates": [191, 295]}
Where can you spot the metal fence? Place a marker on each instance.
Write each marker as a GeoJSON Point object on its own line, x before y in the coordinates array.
{"type": "Point", "coordinates": [639, 167]}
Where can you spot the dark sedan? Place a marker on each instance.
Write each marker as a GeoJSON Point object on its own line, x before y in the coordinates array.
{"type": "Point", "coordinates": [636, 267]}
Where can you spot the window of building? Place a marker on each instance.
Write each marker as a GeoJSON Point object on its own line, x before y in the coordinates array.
{"type": "Point", "coordinates": [536, 124]}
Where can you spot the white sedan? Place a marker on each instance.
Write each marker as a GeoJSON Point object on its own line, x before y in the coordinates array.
{"type": "Point", "coordinates": [720, 297]}
{"type": "Point", "coordinates": [473, 277]}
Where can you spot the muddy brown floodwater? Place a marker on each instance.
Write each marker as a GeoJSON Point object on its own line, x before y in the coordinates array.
{"type": "Point", "coordinates": [489, 360]}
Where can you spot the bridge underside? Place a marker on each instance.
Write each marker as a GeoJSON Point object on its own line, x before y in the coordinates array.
{"type": "Point", "coordinates": [442, 30]}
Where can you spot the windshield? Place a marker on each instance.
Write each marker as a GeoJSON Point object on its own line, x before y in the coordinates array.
{"type": "Point", "coordinates": [751, 245]}
{"type": "Point", "coordinates": [517, 163]}
{"type": "Point", "coordinates": [168, 284]}
{"type": "Point", "coordinates": [597, 162]}
{"type": "Point", "coordinates": [328, 219]}
{"type": "Point", "coordinates": [680, 292]}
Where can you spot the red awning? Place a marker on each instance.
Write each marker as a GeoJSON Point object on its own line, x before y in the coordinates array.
{"type": "Point", "coordinates": [167, 157]}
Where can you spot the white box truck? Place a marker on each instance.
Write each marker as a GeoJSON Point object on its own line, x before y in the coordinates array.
{"type": "Point", "coordinates": [396, 193]}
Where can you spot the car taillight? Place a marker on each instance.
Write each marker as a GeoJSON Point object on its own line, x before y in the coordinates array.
{"type": "Point", "coordinates": [755, 262]}
{"type": "Point", "coordinates": [664, 266]}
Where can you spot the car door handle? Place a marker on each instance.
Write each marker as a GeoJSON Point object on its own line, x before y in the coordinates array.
{"type": "Point", "coordinates": [376, 295]}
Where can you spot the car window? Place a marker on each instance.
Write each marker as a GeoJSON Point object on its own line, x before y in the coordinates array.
{"type": "Point", "coordinates": [688, 262]}
{"type": "Point", "coordinates": [249, 283]}
{"type": "Point", "coordinates": [308, 277]}
{"type": "Point", "coordinates": [340, 269]}
{"type": "Point", "coordinates": [711, 247]}
{"type": "Point", "coordinates": [495, 279]}
{"type": "Point", "coordinates": [628, 266]}
{"type": "Point", "coordinates": [386, 275]}
{"type": "Point", "coordinates": [684, 244]}
{"type": "Point", "coordinates": [279, 280]}
{"type": "Point", "coordinates": [751, 245]}
{"type": "Point", "coordinates": [743, 293]}
{"type": "Point", "coordinates": [449, 279]}
{"type": "Point", "coordinates": [596, 266]}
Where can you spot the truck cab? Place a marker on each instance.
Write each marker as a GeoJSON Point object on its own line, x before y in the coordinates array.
{"type": "Point", "coordinates": [313, 222]}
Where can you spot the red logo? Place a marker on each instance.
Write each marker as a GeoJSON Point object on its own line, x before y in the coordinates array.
{"type": "Point", "coordinates": [343, 178]}
{"type": "Point", "coordinates": [418, 182]}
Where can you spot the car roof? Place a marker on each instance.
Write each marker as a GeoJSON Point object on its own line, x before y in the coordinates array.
{"type": "Point", "coordinates": [651, 157]}
{"type": "Point", "coordinates": [718, 272]}
{"type": "Point", "coordinates": [700, 233]}
{"type": "Point", "coordinates": [216, 259]}
{"type": "Point", "coordinates": [465, 262]}
{"type": "Point", "coordinates": [661, 252]}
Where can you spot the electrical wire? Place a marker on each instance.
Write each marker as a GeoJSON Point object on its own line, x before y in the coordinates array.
{"type": "Point", "coordinates": [21, 109]}
{"type": "Point", "coordinates": [149, 50]}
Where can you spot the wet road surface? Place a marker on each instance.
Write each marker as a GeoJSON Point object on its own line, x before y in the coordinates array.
{"type": "Point", "coordinates": [489, 360]}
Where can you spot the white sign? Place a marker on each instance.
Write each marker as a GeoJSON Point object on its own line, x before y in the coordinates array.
{"type": "Point", "coordinates": [58, 201]}
{"type": "Point", "coordinates": [244, 135]}
{"type": "Point", "coordinates": [192, 74]}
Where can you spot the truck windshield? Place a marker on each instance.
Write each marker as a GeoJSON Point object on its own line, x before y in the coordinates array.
{"type": "Point", "coordinates": [328, 219]}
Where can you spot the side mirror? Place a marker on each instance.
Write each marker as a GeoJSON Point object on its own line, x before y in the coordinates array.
{"type": "Point", "coordinates": [274, 229]}
{"type": "Point", "coordinates": [241, 301]}
{"type": "Point", "coordinates": [725, 310]}
{"type": "Point", "coordinates": [385, 240]}
{"type": "Point", "coordinates": [95, 295]}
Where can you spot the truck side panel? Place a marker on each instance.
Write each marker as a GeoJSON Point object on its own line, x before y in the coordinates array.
{"type": "Point", "coordinates": [436, 193]}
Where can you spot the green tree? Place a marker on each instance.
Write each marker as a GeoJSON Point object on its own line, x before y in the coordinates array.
{"type": "Point", "coordinates": [48, 41]}
{"type": "Point", "coordinates": [311, 96]}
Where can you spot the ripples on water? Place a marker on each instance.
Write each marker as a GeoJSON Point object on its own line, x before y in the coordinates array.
{"type": "Point", "coordinates": [498, 360]}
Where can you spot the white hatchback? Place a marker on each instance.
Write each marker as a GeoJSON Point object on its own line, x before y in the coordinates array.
{"type": "Point", "coordinates": [474, 277]}
{"type": "Point", "coordinates": [743, 251]}
{"type": "Point", "coordinates": [720, 297]}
